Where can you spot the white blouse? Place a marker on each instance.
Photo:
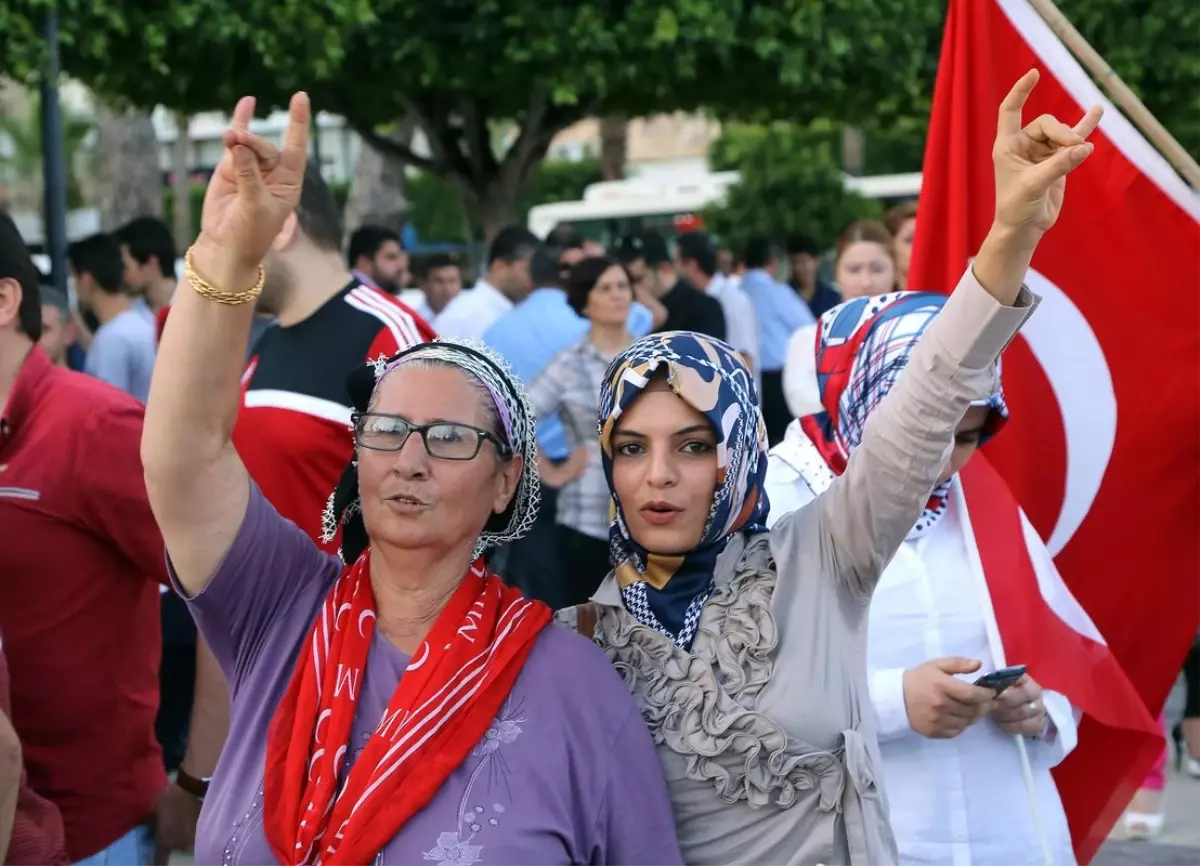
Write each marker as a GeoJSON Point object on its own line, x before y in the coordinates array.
{"type": "Point", "coordinates": [960, 801]}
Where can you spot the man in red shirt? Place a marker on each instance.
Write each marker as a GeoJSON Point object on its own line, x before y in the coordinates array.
{"type": "Point", "coordinates": [82, 562]}
{"type": "Point", "coordinates": [31, 829]}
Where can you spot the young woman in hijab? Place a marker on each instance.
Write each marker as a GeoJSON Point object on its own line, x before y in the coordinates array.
{"type": "Point", "coordinates": [954, 778]}
{"type": "Point", "coordinates": [402, 706]}
{"type": "Point", "coordinates": [746, 648]}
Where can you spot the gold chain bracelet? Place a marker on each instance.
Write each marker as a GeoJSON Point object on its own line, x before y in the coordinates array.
{"type": "Point", "coordinates": [205, 289]}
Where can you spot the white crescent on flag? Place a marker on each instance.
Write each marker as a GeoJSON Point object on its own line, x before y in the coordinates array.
{"type": "Point", "coordinates": [1073, 360]}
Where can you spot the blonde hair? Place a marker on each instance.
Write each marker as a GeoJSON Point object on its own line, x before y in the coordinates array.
{"type": "Point", "coordinates": [868, 231]}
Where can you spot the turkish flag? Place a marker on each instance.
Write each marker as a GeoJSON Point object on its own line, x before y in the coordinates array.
{"type": "Point", "coordinates": [1104, 381]}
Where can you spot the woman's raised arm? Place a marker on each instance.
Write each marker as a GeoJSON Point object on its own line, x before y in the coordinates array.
{"type": "Point", "coordinates": [197, 485]}
{"type": "Point", "coordinates": [869, 510]}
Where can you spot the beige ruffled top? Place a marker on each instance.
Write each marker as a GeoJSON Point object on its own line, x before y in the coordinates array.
{"type": "Point", "coordinates": [764, 727]}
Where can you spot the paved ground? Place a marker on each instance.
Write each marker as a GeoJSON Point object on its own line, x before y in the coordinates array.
{"type": "Point", "coordinates": [1179, 843]}
{"type": "Point", "coordinates": [1116, 853]}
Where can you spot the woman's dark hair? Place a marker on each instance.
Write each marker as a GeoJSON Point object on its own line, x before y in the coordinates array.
{"type": "Point", "coordinates": [583, 278]}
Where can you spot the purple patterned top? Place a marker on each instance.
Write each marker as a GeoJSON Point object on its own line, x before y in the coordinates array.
{"type": "Point", "coordinates": [567, 773]}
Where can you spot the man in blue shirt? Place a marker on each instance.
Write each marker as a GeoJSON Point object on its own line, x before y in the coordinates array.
{"type": "Point", "coordinates": [781, 312]}
{"type": "Point", "coordinates": [123, 347]}
{"type": "Point", "coordinates": [529, 337]}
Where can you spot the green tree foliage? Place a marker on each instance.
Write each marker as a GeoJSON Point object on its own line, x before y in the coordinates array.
{"type": "Point", "coordinates": [437, 208]}
{"type": "Point", "coordinates": [1154, 46]}
{"type": "Point", "coordinates": [465, 69]}
{"type": "Point", "coordinates": [437, 211]}
{"type": "Point", "coordinates": [461, 68]}
{"type": "Point", "coordinates": [791, 182]}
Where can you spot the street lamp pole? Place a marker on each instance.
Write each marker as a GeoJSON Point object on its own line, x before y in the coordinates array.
{"type": "Point", "coordinates": [54, 165]}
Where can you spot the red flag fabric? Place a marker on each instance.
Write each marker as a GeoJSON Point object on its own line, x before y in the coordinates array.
{"type": "Point", "coordinates": [1104, 381]}
{"type": "Point", "coordinates": [1040, 626]}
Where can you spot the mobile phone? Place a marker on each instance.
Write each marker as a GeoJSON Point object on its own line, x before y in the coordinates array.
{"type": "Point", "coordinates": [1001, 679]}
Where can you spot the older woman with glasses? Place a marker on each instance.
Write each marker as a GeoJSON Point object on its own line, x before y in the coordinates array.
{"type": "Point", "coordinates": [399, 705]}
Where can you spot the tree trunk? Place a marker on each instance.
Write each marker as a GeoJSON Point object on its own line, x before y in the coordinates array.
{"type": "Point", "coordinates": [497, 209]}
{"type": "Point", "coordinates": [853, 150]}
{"type": "Point", "coordinates": [181, 186]}
{"type": "Point", "coordinates": [614, 138]}
{"type": "Point", "coordinates": [128, 179]}
{"type": "Point", "coordinates": [379, 192]}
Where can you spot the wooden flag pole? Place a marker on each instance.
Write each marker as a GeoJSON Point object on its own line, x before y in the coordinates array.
{"type": "Point", "coordinates": [1119, 91]}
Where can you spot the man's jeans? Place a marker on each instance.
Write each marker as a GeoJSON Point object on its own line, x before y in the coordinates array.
{"type": "Point", "coordinates": [135, 848]}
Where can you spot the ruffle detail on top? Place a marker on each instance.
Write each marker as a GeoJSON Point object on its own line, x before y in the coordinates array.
{"type": "Point", "coordinates": [701, 704]}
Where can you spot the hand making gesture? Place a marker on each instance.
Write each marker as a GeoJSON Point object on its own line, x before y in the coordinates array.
{"type": "Point", "coordinates": [1031, 164]}
{"type": "Point", "coordinates": [1032, 161]}
{"type": "Point", "coordinates": [252, 192]}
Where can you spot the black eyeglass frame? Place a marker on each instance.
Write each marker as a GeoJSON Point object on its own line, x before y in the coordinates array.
{"type": "Point", "coordinates": [423, 429]}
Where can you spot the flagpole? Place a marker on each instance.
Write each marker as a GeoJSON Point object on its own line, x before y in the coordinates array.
{"type": "Point", "coordinates": [996, 645]}
{"type": "Point", "coordinates": [1125, 98]}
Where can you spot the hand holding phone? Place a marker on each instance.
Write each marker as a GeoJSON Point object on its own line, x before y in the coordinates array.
{"type": "Point", "coordinates": [1000, 680]}
{"type": "Point", "coordinates": [1021, 709]}
{"type": "Point", "coordinates": [938, 703]}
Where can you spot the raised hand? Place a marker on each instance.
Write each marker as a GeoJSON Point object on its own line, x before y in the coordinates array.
{"type": "Point", "coordinates": [1032, 161]}
{"type": "Point", "coordinates": [254, 189]}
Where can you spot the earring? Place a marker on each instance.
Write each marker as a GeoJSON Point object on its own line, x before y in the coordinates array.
{"type": "Point", "coordinates": [329, 523]}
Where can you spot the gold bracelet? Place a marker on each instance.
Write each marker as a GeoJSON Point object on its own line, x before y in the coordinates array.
{"type": "Point", "coordinates": [205, 289]}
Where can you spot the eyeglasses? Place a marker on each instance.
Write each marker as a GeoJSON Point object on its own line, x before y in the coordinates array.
{"type": "Point", "coordinates": [442, 439]}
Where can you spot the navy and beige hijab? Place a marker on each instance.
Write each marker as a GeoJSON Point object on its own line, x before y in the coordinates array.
{"type": "Point", "coordinates": [667, 593]}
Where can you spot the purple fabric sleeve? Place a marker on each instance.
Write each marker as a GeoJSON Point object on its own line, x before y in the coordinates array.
{"type": "Point", "coordinates": [271, 569]}
{"type": "Point", "coordinates": [635, 823]}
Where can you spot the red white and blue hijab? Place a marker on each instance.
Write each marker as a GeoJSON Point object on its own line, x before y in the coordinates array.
{"type": "Point", "coordinates": [862, 347]}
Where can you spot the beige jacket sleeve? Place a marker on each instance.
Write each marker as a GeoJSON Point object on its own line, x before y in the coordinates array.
{"type": "Point", "coordinates": [861, 520]}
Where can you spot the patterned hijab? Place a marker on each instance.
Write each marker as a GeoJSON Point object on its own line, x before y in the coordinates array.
{"type": "Point", "coordinates": [667, 593]}
{"type": "Point", "coordinates": [343, 511]}
{"type": "Point", "coordinates": [861, 348]}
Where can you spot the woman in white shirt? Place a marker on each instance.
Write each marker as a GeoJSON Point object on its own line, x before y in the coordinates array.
{"type": "Point", "coordinates": [953, 769]}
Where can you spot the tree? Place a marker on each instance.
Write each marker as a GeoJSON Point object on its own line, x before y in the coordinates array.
{"type": "Point", "coordinates": [127, 179]}
{"type": "Point", "coordinates": [437, 212]}
{"type": "Point", "coordinates": [473, 72]}
{"type": "Point", "coordinates": [21, 159]}
{"type": "Point", "coordinates": [379, 191]}
{"type": "Point", "coordinates": [463, 71]}
{"type": "Point", "coordinates": [181, 183]}
{"type": "Point", "coordinates": [1154, 46]}
{"type": "Point", "coordinates": [614, 146]}
{"type": "Point", "coordinates": [791, 182]}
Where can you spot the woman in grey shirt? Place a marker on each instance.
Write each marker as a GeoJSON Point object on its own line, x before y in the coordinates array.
{"type": "Point", "coordinates": [746, 648]}
{"type": "Point", "coordinates": [597, 289]}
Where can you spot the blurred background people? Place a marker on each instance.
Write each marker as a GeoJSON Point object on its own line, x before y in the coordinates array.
{"type": "Point", "coordinates": [377, 257]}
{"type": "Point", "coordinates": [864, 265]}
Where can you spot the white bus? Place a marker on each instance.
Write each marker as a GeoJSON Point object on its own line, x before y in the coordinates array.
{"type": "Point", "coordinates": [612, 209]}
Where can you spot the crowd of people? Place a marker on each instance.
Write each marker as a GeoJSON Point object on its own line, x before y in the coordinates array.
{"type": "Point", "coordinates": [630, 556]}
